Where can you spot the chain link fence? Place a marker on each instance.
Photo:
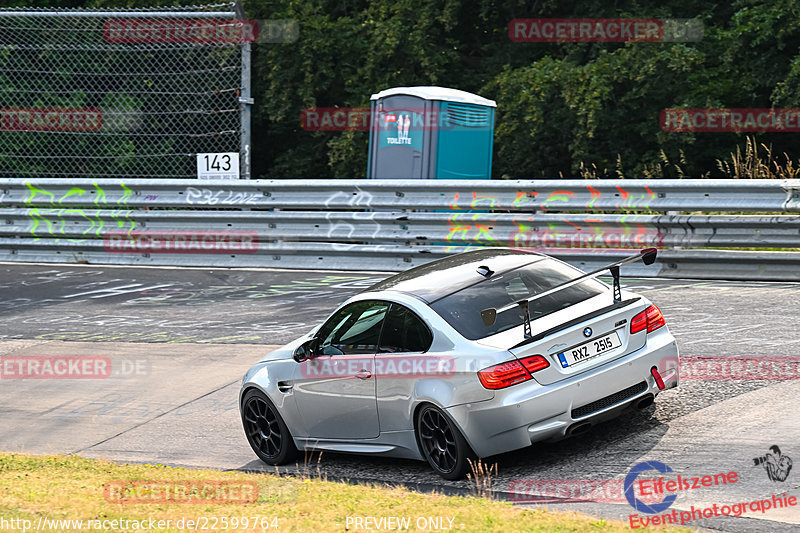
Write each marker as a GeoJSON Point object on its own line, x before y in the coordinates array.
{"type": "Point", "coordinates": [121, 93]}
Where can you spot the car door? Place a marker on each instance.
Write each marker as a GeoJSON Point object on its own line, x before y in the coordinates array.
{"type": "Point", "coordinates": [402, 360]}
{"type": "Point", "coordinates": [335, 391]}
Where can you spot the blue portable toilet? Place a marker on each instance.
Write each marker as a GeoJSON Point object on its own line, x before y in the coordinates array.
{"type": "Point", "coordinates": [430, 133]}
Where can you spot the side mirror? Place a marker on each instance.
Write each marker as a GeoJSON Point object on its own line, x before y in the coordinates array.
{"type": "Point", "coordinates": [307, 350]}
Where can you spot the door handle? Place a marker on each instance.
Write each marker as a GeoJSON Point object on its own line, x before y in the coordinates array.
{"type": "Point", "coordinates": [363, 374]}
{"type": "Point", "coordinates": [285, 386]}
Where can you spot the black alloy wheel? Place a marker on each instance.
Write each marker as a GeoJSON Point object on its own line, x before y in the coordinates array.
{"type": "Point", "coordinates": [442, 444]}
{"type": "Point", "coordinates": [266, 432]}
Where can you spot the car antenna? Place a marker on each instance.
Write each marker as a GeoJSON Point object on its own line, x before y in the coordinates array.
{"type": "Point", "coordinates": [485, 271]}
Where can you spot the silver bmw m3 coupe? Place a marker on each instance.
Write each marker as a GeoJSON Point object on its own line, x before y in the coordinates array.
{"type": "Point", "coordinates": [469, 356]}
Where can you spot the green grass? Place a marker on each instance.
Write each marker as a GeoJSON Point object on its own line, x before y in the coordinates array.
{"type": "Point", "coordinates": [71, 488]}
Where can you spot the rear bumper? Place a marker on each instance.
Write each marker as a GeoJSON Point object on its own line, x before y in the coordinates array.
{"type": "Point", "coordinates": [529, 412]}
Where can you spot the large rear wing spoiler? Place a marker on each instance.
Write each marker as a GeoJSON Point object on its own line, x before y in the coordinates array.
{"type": "Point", "coordinates": [648, 257]}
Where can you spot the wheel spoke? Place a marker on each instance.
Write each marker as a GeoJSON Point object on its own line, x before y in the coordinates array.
{"type": "Point", "coordinates": [449, 452]}
{"type": "Point", "coordinates": [262, 427]}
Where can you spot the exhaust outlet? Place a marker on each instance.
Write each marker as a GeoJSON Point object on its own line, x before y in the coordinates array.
{"type": "Point", "coordinates": [577, 429]}
{"type": "Point", "coordinates": [645, 402]}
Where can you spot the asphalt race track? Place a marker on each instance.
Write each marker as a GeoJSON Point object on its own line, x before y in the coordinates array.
{"type": "Point", "coordinates": [179, 341]}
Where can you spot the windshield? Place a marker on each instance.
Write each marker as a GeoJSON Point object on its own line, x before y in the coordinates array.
{"type": "Point", "coordinates": [462, 309]}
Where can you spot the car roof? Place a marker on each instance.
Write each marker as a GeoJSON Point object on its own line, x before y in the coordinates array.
{"type": "Point", "coordinates": [437, 279]}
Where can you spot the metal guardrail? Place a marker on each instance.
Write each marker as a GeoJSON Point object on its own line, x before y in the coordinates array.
{"type": "Point", "coordinates": [393, 225]}
{"type": "Point", "coordinates": [510, 195]}
{"type": "Point", "coordinates": [549, 230]}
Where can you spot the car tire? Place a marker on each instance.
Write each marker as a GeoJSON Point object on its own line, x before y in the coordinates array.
{"type": "Point", "coordinates": [442, 444]}
{"type": "Point", "coordinates": [265, 429]}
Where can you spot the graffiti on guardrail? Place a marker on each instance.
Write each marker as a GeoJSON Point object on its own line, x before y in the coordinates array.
{"type": "Point", "coordinates": [203, 196]}
{"type": "Point", "coordinates": [480, 227]}
{"type": "Point", "coordinates": [53, 220]}
{"type": "Point", "coordinates": [559, 233]}
{"type": "Point", "coordinates": [392, 224]}
{"type": "Point", "coordinates": [626, 198]}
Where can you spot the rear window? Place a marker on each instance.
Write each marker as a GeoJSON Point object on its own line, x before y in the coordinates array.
{"type": "Point", "coordinates": [462, 309]}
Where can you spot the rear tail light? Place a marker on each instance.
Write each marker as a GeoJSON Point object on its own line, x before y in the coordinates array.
{"type": "Point", "coordinates": [513, 372]}
{"type": "Point", "coordinates": [503, 375]}
{"type": "Point", "coordinates": [650, 319]}
{"type": "Point", "coordinates": [534, 363]}
{"type": "Point", "coordinates": [639, 322]}
{"type": "Point", "coordinates": [654, 318]}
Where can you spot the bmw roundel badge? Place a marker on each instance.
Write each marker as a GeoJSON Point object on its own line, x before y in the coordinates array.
{"type": "Point", "coordinates": [587, 332]}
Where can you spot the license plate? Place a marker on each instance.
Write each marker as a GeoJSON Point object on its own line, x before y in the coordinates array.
{"type": "Point", "coordinates": [590, 349]}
